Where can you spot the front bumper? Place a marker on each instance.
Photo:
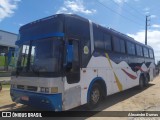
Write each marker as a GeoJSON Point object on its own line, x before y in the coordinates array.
{"type": "Point", "coordinates": [38, 100]}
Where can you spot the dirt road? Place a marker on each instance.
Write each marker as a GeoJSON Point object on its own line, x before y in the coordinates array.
{"type": "Point", "coordinates": [129, 100]}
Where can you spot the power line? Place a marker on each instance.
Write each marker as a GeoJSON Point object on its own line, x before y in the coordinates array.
{"type": "Point", "coordinates": [126, 9]}
{"type": "Point", "coordinates": [134, 9]}
{"type": "Point", "coordinates": [118, 13]}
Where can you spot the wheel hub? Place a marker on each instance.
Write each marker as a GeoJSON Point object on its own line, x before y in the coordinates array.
{"type": "Point", "coordinates": [95, 96]}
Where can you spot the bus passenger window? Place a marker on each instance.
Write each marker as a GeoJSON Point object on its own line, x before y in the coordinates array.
{"type": "Point", "coordinates": [130, 48]}
{"type": "Point", "coordinates": [122, 46]}
{"type": "Point", "coordinates": [116, 44]}
{"type": "Point", "coordinates": [119, 45]}
{"type": "Point", "coordinates": [98, 38]}
{"type": "Point", "coordinates": [107, 42]}
{"type": "Point", "coordinates": [145, 50]}
{"type": "Point", "coordinates": [151, 53]}
{"type": "Point", "coordinates": [139, 50]}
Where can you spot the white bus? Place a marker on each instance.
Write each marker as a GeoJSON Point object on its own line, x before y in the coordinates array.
{"type": "Point", "coordinates": [65, 61]}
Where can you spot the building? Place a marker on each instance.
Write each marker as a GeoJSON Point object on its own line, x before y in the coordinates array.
{"type": "Point", "coordinates": [7, 41]}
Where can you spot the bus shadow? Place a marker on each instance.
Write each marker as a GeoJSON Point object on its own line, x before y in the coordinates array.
{"type": "Point", "coordinates": [118, 97]}
{"type": "Point", "coordinates": [115, 98]}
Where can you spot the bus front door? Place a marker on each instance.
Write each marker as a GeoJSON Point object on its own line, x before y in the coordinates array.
{"type": "Point", "coordinates": [73, 63]}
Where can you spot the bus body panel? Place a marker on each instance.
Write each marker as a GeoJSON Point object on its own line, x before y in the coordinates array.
{"type": "Point", "coordinates": [38, 100]}
{"type": "Point", "coordinates": [38, 82]}
{"type": "Point", "coordinates": [118, 71]}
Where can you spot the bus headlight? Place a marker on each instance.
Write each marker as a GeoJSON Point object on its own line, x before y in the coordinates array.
{"type": "Point", "coordinates": [54, 90]}
{"type": "Point", "coordinates": [44, 90]}
{"type": "Point", "coordinates": [13, 86]}
{"type": "Point", "coordinates": [49, 90]}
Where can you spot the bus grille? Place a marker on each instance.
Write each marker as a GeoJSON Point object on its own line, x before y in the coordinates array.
{"type": "Point", "coordinates": [20, 87]}
{"type": "Point", "coordinates": [31, 88]}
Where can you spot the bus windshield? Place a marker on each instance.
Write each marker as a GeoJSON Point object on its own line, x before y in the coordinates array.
{"type": "Point", "coordinates": [43, 55]}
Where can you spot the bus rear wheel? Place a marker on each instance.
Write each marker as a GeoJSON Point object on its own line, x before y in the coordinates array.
{"type": "Point", "coordinates": [141, 82]}
{"type": "Point", "coordinates": [95, 96]}
{"type": "Point", "coordinates": [146, 81]}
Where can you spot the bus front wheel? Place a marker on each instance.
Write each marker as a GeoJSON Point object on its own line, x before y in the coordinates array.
{"type": "Point", "coordinates": [95, 96]}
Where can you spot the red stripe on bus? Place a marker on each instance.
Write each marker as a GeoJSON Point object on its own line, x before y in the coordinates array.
{"type": "Point", "coordinates": [130, 75]}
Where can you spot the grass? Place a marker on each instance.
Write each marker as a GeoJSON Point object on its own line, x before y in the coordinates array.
{"type": "Point", "coordinates": [6, 86]}
{"type": "Point", "coordinates": [5, 83]}
{"type": "Point", "coordinates": [2, 61]}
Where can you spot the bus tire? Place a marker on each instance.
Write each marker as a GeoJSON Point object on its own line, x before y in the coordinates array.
{"type": "Point", "coordinates": [95, 96]}
{"type": "Point", "coordinates": [146, 81]}
{"type": "Point", "coordinates": [141, 82]}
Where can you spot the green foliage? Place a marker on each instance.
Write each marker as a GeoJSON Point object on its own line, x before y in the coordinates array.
{"type": "Point", "coordinates": [3, 63]}
{"type": "Point", "coordinates": [2, 60]}
{"type": "Point", "coordinates": [5, 86]}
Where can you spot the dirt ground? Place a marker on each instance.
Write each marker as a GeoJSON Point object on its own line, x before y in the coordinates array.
{"type": "Point", "coordinates": [133, 99]}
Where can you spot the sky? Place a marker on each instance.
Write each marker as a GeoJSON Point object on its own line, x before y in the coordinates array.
{"type": "Point", "coordinates": [126, 16]}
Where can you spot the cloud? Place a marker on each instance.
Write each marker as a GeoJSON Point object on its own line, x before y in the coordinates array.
{"type": "Point", "coordinates": [153, 16]}
{"type": "Point", "coordinates": [156, 26]}
{"type": "Point", "coordinates": [153, 40]}
{"type": "Point", "coordinates": [62, 10]}
{"type": "Point", "coordinates": [20, 24]}
{"type": "Point", "coordinates": [7, 8]}
{"type": "Point", "coordinates": [146, 9]}
{"type": "Point", "coordinates": [76, 6]}
{"type": "Point", "coordinates": [120, 1]}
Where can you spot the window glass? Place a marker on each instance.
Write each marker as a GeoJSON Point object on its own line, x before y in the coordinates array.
{"type": "Point", "coordinates": [77, 27]}
{"type": "Point", "coordinates": [98, 38]}
{"type": "Point", "coordinates": [122, 46]}
{"type": "Point", "coordinates": [107, 42]}
{"type": "Point", "coordinates": [119, 45]}
{"type": "Point", "coordinates": [116, 44]}
{"type": "Point", "coordinates": [75, 56]}
{"type": "Point", "coordinates": [139, 50]}
{"type": "Point", "coordinates": [151, 53]}
{"type": "Point", "coordinates": [24, 56]}
{"type": "Point", "coordinates": [130, 48]}
{"type": "Point", "coordinates": [145, 50]}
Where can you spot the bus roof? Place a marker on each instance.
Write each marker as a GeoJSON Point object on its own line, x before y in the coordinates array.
{"type": "Point", "coordinates": [110, 30]}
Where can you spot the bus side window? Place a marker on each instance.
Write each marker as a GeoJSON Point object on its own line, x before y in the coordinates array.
{"type": "Point", "coordinates": [98, 38]}
{"type": "Point", "coordinates": [145, 50]}
{"type": "Point", "coordinates": [107, 42]}
{"type": "Point", "coordinates": [116, 44]}
{"type": "Point", "coordinates": [151, 53]}
{"type": "Point", "coordinates": [122, 46]}
{"type": "Point", "coordinates": [139, 50]}
{"type": "Point", "coordinates": [130, 48]}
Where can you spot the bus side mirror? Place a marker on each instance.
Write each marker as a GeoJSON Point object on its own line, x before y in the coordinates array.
{"type": "Point", "coordinates": [69, 56]}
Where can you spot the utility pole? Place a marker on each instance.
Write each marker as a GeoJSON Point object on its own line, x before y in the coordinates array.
{"type": "Point", "coordinates": [147, 20]}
